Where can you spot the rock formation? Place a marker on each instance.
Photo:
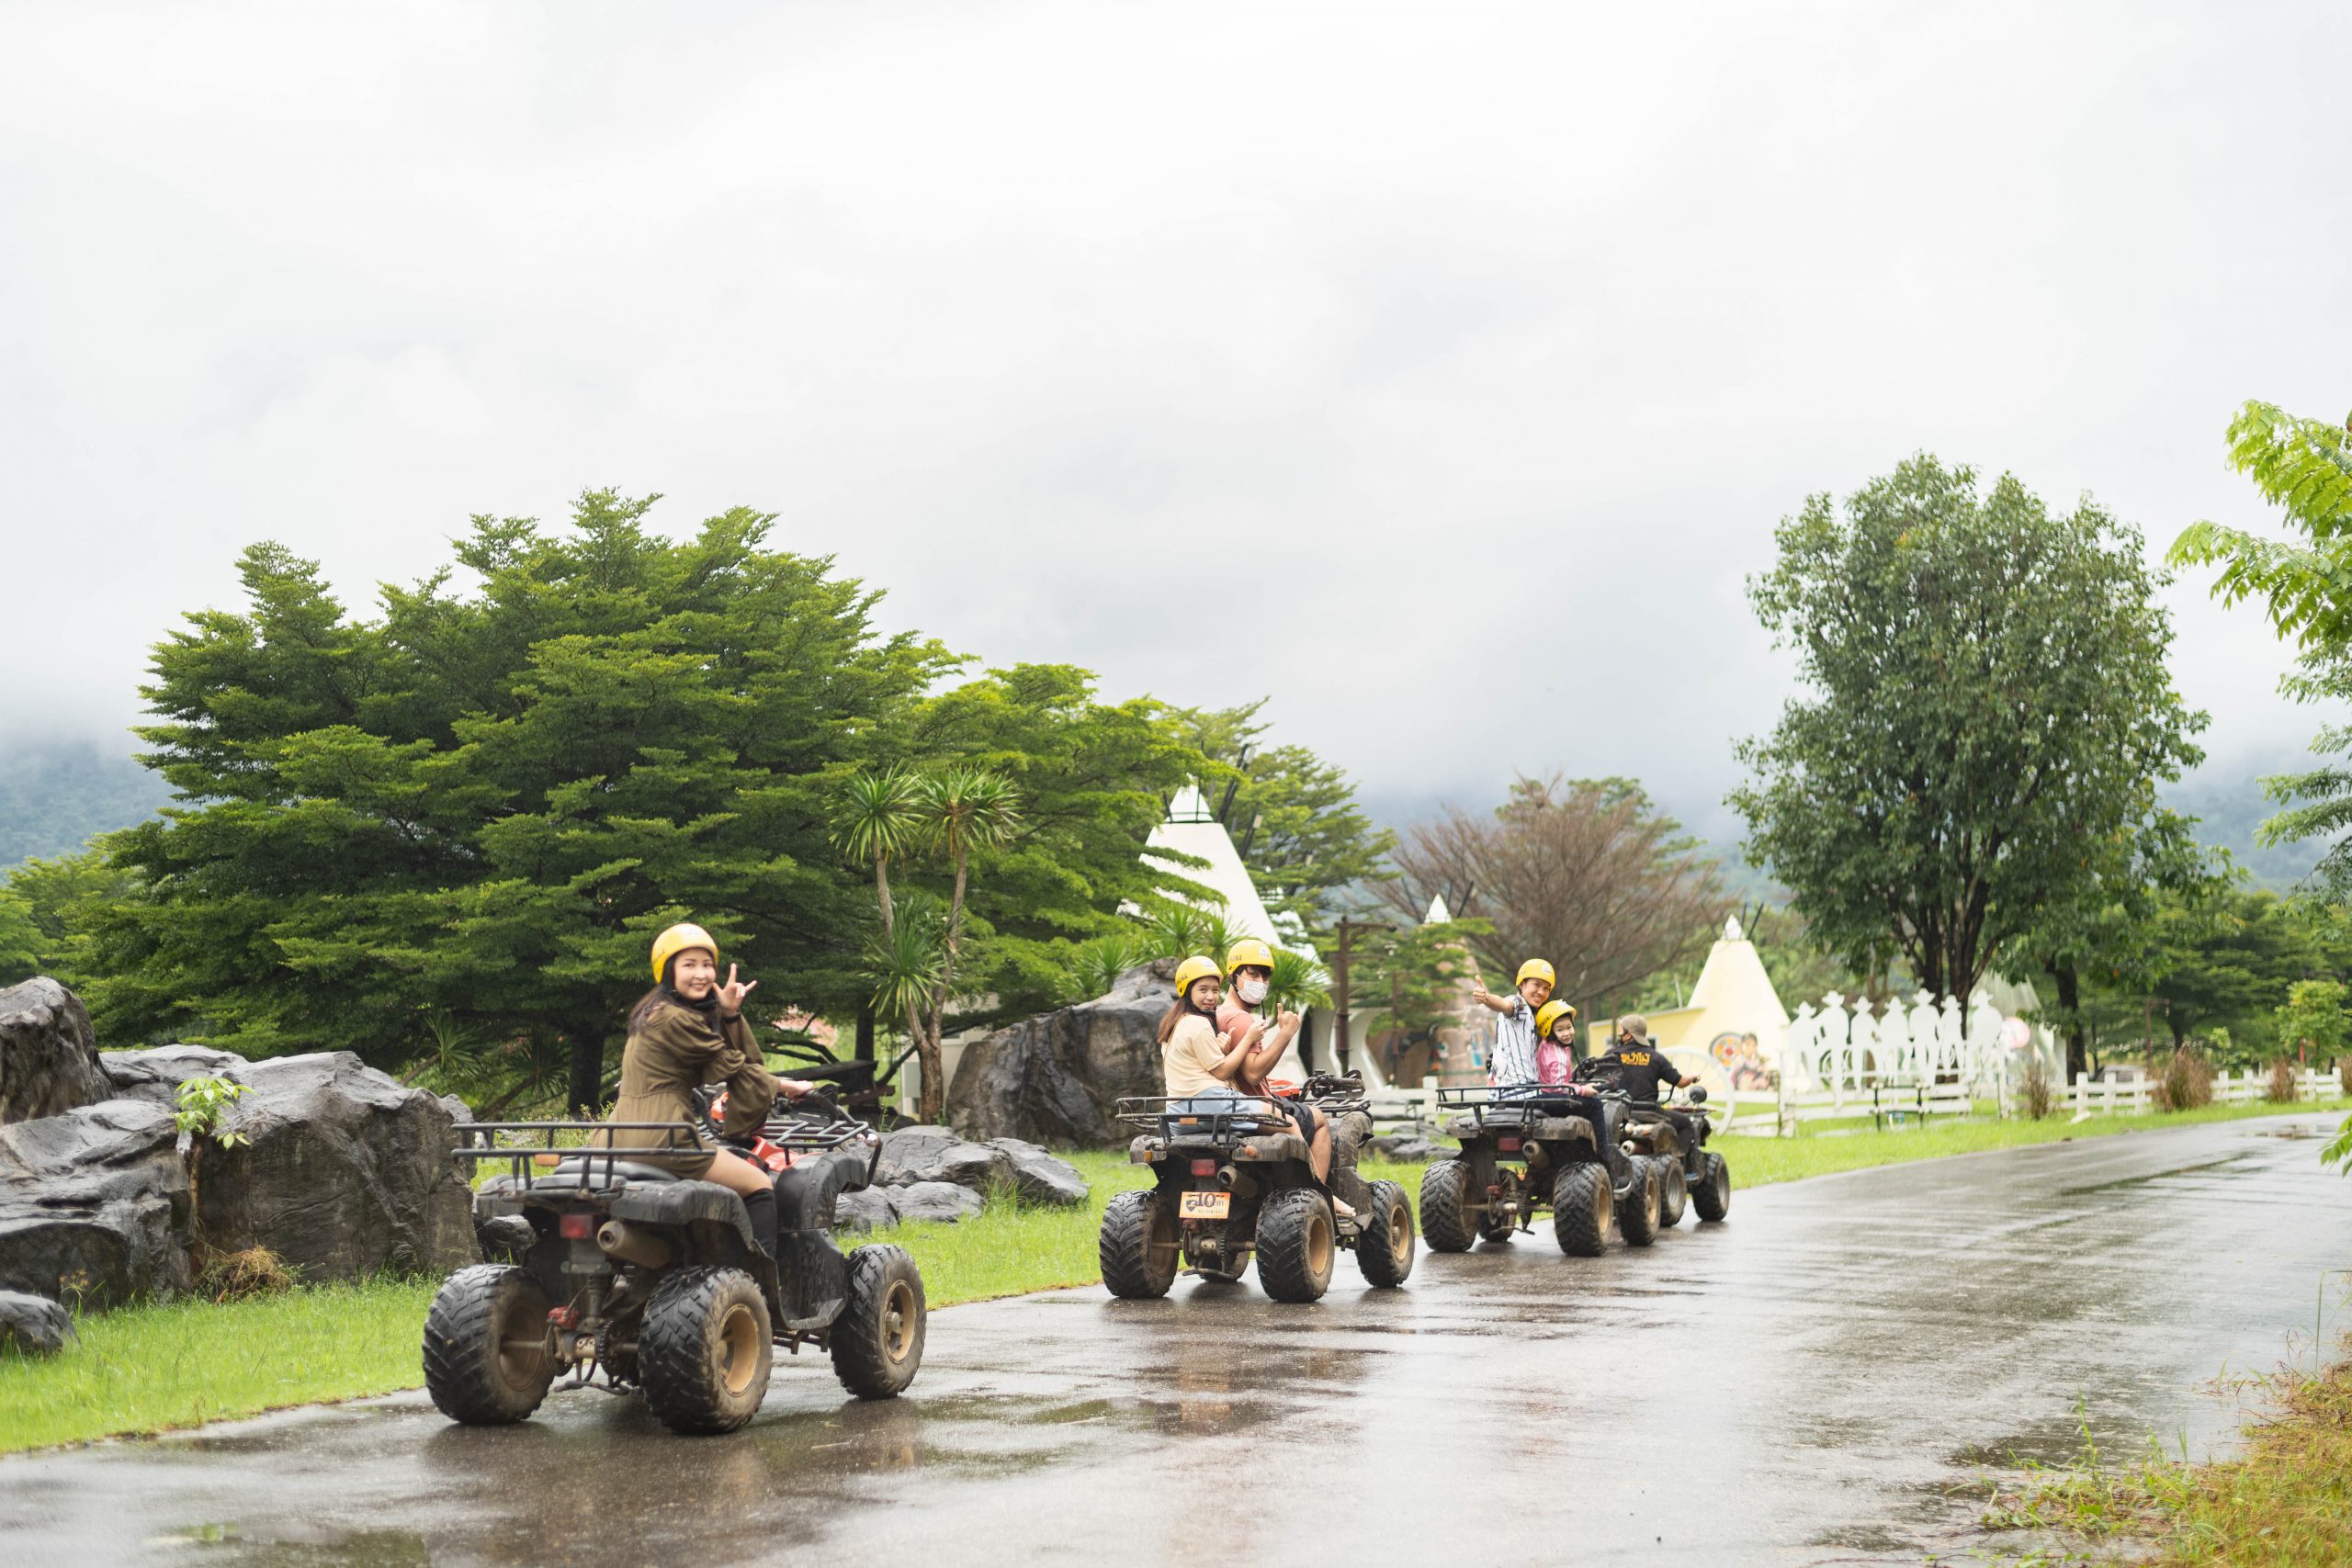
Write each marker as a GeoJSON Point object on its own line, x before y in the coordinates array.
{"type": "Point", "coordinates": [1057, 1078]}
{"type": "Point", "coordinates": [343, 1172]}
{"type": "Point", "coordinates": [49, 1058]}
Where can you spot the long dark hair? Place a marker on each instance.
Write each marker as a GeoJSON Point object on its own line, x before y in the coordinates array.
{"type": "Point", "coordinates": [665, 993]}
{"type": "Point", "coordinates": [1175, 1014]}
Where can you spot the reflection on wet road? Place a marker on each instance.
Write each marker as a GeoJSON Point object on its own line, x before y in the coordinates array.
{"type": "Point", "coordinates": [1802, 1384]}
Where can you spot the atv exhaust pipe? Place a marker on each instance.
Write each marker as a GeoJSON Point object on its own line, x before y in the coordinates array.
{"type": "Point", "coordinates": [646, 1249]}
{"type": "Point", "coordinates": [1224, 1177]}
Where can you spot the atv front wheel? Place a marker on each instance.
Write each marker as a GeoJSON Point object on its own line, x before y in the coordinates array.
{"type": "Point", "coordinates": [1384, 1243]}
{"type": "Point", "coordinates": [487, 1359]}
{"type": "Point", "coordinates": [705, 1350]}
{"type": "Point", "coordinates": [1673, 1191]}
{"type": "Point", "coordinates": [1298, 1242]}
{"type": "Point", "coordinates": [1139, 1245]}
{"type": "Point", "coordinates": [877, 1340]}
{"type": "Point", "coordinates": [1446, 1218]}
{"type": "Point", "coordinates": [1637, 1206]}
{"type": "Point", "coordinates": [1582, 1210]}
{"type": "Point", "coordinates": [1712, 1197]}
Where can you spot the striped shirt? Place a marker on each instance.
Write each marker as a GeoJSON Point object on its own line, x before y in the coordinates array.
{"type": "Point", "coordinates": [1512, 1061]}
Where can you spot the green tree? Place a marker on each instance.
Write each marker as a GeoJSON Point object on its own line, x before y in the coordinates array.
{"type": "Point", "coordinates": [2303, 466]}
{"type": "Point", "coordinates": [2314, 1018]}
{"type": "Point", "coordinates": [1093, 779]}
{"type": "Point", "coordinates": [48, 910]}
{"type": "Point", "coordinates": [2217, 966]}
{"type": "Point", "coordinates": [1292, 817]}
{"type": "Point", "coordinates": [2108, 923]}
{"type": "Point", "coordinates": [479, 806]}
{"type": "Point", "coordinates": [1988, 696]}
{"type": "Point", "coordinates": [20, 940]}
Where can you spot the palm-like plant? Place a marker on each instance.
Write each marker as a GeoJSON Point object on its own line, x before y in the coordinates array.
{"type": "Point", "coordinates": [1097, 964]}
{"type": "Point", "coordinates": [1298, 984]}
{"type": "Point", "coordinates": [964, 809]}
{"type": "Point", "coordinates": [876, 817]}
{"type": "Point", "coordinates": [1177, 929]}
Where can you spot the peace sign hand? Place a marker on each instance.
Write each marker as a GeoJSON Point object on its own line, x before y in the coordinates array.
{"type": "Point", "coordinates": [731, 995]}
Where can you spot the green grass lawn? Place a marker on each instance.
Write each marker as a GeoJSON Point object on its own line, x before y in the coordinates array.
{"type": "Point", "coordinates": [150, 1368]}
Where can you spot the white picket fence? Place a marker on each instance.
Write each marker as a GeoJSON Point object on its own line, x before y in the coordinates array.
{"type": "Point", "coordinates": [2137, 1097]}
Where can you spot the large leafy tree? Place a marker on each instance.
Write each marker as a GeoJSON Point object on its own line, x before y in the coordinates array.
{"type": "Point", "coordinates": [1988, 704]}
{"type": "Point", "coordinates": [474, 809]}
{"type": "Point", "coordinates": [1584, 873]}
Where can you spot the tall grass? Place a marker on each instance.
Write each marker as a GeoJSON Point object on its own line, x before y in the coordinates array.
{"type": "Point", "coordinates": [2186, 1080]}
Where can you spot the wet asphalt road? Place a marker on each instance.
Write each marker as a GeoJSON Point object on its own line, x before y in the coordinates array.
{"type": "Point", "coordinates": [1805, 1384]}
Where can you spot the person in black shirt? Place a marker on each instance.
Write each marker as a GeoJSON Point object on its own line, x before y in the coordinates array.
{"type": "Point", "coordinates": [1634, 1066]}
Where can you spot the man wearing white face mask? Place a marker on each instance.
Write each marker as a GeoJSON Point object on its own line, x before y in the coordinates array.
{"type": "Point", "coordinates": [1249, 968]}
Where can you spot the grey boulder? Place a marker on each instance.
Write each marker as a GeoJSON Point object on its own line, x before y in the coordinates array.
{"type": "Point", "coordinates": [344, 1173]}
{"type": "Point", "coordinates": [921, 1152]}
{"type": "Point", "coordinates": [867, 1209]}
{"type": "Point", "coordinates": [1413, 1148]}
{"type": "Point", "coordinates": [94, 1205]}
{"type": "Point", "coordinates": [1057, 1078]}
{"type": "Point", "coordinates": [942, 1202]}
{"type": "Point", "coordinates": [1042, 1178]}
{"type": "Point", "coordinates": [49, 1058]}
{"type": "Point", "coordinates": [34, 1323]}
{"type": "Point", "coordinates": [155, 1074]}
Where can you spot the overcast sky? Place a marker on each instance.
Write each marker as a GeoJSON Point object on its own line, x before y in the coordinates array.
{"type": "Point", "coordinates": [1488, 342]}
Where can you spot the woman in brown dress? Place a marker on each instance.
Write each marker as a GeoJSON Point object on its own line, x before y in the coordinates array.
{"type": "Point", "coordinates": [686, 1031]}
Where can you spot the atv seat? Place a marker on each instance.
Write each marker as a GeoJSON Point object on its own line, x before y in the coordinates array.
{"type": "Point", "coordinates": [582, 1173]}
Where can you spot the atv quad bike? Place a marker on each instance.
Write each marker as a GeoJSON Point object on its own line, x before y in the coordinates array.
{"type": "Point", "coordinates": [1520, 1156]}
{"type": "Point", "coordinates": [1695, 1174]}
{"type": "Point", "coordinates": [1233, 1183]}
{"type": "Point", "coordinates": [657, 1281]}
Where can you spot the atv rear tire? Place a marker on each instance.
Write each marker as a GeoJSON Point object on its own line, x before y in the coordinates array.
{"type": "Point", "coordinates": [1637, 1206]}
{"type": "Point", "coordinates": [1673, 1191]}
{"type": "Point", "coordinates": [1139, 1246]}
{"type": "Point", "coordinates": [1583, 1210]}
{"type": "Point", "coordinates": [1712, 1197]}
{"type": "Point", "coordinates": [1446, 1219]}
{"type": "Point", "coordinates": [705, 1350]}
{"type": "Point", "coordinates": [487, 1359]}
{"type": "Point", "coordinates": [876, 1342]}
{"type": "Point", "coordinates": [1385, 1241]}
{"type": "Point", "coordinates": [1297, 1243]}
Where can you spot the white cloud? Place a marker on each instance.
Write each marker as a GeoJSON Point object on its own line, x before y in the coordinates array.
{"type": "Point", "coordinates": [1495, 339]}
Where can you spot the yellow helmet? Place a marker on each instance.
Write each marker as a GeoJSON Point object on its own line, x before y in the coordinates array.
{"type": "Point", "coordinates": [1192, 972]}
{"type": "Point", "coordinates": [677, 939]}
{"type": "Point", "coordinates": [1549, 1014]}
{"type": "Point", "coordinates": [1536, 970]}
{"type": "Point", "coordinates": [1248, 950]}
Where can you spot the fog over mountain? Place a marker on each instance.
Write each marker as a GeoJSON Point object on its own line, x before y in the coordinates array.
{"type": "Point", "coordinates": [1442, 372]}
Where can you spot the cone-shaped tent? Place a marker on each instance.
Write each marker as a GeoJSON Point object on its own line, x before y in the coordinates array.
{"type": "Point", "coordinates": [1734, 1027]}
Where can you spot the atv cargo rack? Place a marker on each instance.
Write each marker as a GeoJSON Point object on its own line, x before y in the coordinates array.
{"type": "Point", "coordinates": [1521, 1105]}
{"type": "Point", "coordinates": [540, 1147]}
{"type": "Point", "coordinates": [1213, 1116]}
